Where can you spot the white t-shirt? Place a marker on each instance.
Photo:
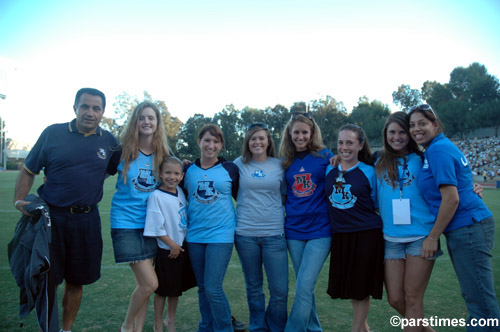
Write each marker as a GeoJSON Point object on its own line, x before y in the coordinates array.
{"type": "Point", "coordinates": [166, 214]}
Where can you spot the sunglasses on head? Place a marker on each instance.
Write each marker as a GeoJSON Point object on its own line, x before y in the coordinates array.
{"type": "Point", "coordinates": [305, 114]}
{"type": "Point", "coordinates": [257, 124]}
{"type": "Point", "coordinates": [423, 107]}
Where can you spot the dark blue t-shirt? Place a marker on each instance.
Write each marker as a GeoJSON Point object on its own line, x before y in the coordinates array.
{"type": "Point", "coordinates": [352, 207]}
{"type": "Point", "coordinates": [75, 165]}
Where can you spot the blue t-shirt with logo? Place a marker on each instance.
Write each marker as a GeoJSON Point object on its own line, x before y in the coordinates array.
{"type": "Point", "coordinates": [210, 192]}
{"type": "Point", "coordinates": [422, 220]}
{"type": "Point", "coordinates": [306, 206]}
{"type": "Point", "coordinates": [129, 203]}
{"type": "Point", "coordinates": [352, 206]}
{"type": "Point", "coordinates": [445, 164]}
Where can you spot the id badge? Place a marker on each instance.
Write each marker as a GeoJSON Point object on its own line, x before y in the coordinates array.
{"type": "Point", "coordinates": [401, 211]}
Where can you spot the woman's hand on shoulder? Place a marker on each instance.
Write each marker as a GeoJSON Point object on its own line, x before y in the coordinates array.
{"type": "Point", "coordinates": [335, 160]}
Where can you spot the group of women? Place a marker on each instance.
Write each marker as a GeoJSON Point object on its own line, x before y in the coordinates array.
{"type": "Point", "coordinates": [304, 205]}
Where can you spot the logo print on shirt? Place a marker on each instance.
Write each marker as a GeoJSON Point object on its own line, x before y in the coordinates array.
{"type": "Point", "coordinates": [426, 164]}
{"type": "Point", "coordinates": [258, 174]}
{"type": "Point", "coordinates": [183, 217]}
{"type": "Point", "coordinates": [342, 198]}
{"type": "Point", "coordinates": [303, 185]}
{"type": "Point", "coordinates": [464, 161]}
{"type": "Point", "coordinates": [406, 176]}
{"type": "Point", "coordinates": [101, 153]}
{"type": "Point", "coordinates": [205, 192]}
{"type": "Point", "coordinates": [145, 180]}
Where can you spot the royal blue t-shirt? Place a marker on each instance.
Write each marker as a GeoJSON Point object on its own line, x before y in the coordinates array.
{"type": "Point", "coordinates": [352, 206]}
{"type": "Point", "coordinates": [306, 206]}
{"type": "Point", "coordinates": [445, 164]}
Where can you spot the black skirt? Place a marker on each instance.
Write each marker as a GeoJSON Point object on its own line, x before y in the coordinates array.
{"type": "Point", "coordinates": [357, 265]}
{"type": "Point", "coordinates": [175, 276]}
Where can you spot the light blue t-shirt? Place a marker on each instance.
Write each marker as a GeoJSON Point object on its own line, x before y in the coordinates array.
{"type": "Point", "coordinates": [259, 207]}
{"type": "Point", "coordinates": [211, 213]}
{"type": "Point", "coordinates": [422, 219]}
{"type": "Point", "coordinates": [445, 164]}
{"type": "Point", "coordinates": [128, 206]}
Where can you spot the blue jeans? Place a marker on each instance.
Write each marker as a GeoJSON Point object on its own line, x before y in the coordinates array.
{"type": "Point", "coordinates": [270, 251]}
{"type": "Point", "coordinates": [470, 252]}
{"type": "Point", "coordinates": [210, 261]}
{"type": "Point", "coordinates": [308, 257]}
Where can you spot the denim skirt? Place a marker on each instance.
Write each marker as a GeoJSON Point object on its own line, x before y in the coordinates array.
{"type": "Point", "coordinates": [130, 246]}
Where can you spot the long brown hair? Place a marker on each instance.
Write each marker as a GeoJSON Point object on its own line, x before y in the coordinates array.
{"type": "Point", "coordinates": [388, 160]}
{"type": "Point", "coordinates": [287, 149]}
{"type": "Point", "coordinates": [246, 155]}
{"type": "Point", "coordinates": [130, 139]}
{"type": "Point", "coordinates": [365, 154]}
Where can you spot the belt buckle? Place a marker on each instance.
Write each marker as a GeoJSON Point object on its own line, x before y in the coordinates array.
{"type": "Point", "coordinates": [79, 209]}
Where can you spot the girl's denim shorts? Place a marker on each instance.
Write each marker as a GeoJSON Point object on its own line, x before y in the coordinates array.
{"type": "Point", "coordinates": [130, 246]}
{"type": "Point", "coordinates": [398, 250]}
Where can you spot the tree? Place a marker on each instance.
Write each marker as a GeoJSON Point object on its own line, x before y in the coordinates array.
{"type": "Point", "coordinates": [229, 122]}
{"type": "Point", "coordinates": [123, 106]}
{"type": "Point", "coordinates": [406, 97]}
{"type": "Point", "coordinates": [370, 116]}
{"type": "Point", "coordinates": [474, 85]}
{"type": "Point", "coordinates": [330, 115]}
{"type": "Point", "coordinates": [276, 119]}
{"type": "Point", "coordinates": [299, 107]}
{"type": "Point", "coordinates": [457, 118]}
{"type": "Point", "coordinates": [187, 147]}
{"type": "Point", "coordinates": [468, 101]}
{"type": "Point", "coordinates": [428, 89]}
{"type": "Point", "coordinates": [437, 95]}
{"type": "Point", "coordinates": [489, 114]}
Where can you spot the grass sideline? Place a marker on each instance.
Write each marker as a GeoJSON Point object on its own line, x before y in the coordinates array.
{"type": "Point", "coordinates": [105, 302]}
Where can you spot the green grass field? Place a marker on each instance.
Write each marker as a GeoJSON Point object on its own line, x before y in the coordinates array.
{"type": "Point", "coordinates": [105, 302]}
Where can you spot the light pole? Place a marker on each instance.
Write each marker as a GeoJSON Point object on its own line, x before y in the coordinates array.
{"type": "Point", "coordinates": [3, 151]}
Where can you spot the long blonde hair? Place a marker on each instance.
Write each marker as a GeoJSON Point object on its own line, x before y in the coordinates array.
{"type": "Point", "coordinates": [130, 140]}
{"type": "Point", "coordinates": [287, 149]}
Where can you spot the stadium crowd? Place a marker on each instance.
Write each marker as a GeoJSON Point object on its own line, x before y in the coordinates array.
{"type": "Point", "coordinates": [483, 155]}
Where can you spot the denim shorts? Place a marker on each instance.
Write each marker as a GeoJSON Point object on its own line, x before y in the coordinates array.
{"type": "Point", "coordinates": [399, 250]}
{"type": "Point", "coordinates": [130, 246]}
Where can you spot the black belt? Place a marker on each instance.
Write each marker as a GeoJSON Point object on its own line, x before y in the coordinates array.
{"type": "Point", "coordinates": [75, 209]}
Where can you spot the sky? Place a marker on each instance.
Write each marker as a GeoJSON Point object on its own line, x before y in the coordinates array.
{"type": "Point", "coordinates": [199, 56]}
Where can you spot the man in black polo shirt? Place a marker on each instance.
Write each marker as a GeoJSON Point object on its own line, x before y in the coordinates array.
{"type": "Point", "coordinates": [76, 157]}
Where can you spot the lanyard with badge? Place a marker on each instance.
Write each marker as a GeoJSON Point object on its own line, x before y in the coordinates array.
{"type": "Point", "coordinates": [401, 206]}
